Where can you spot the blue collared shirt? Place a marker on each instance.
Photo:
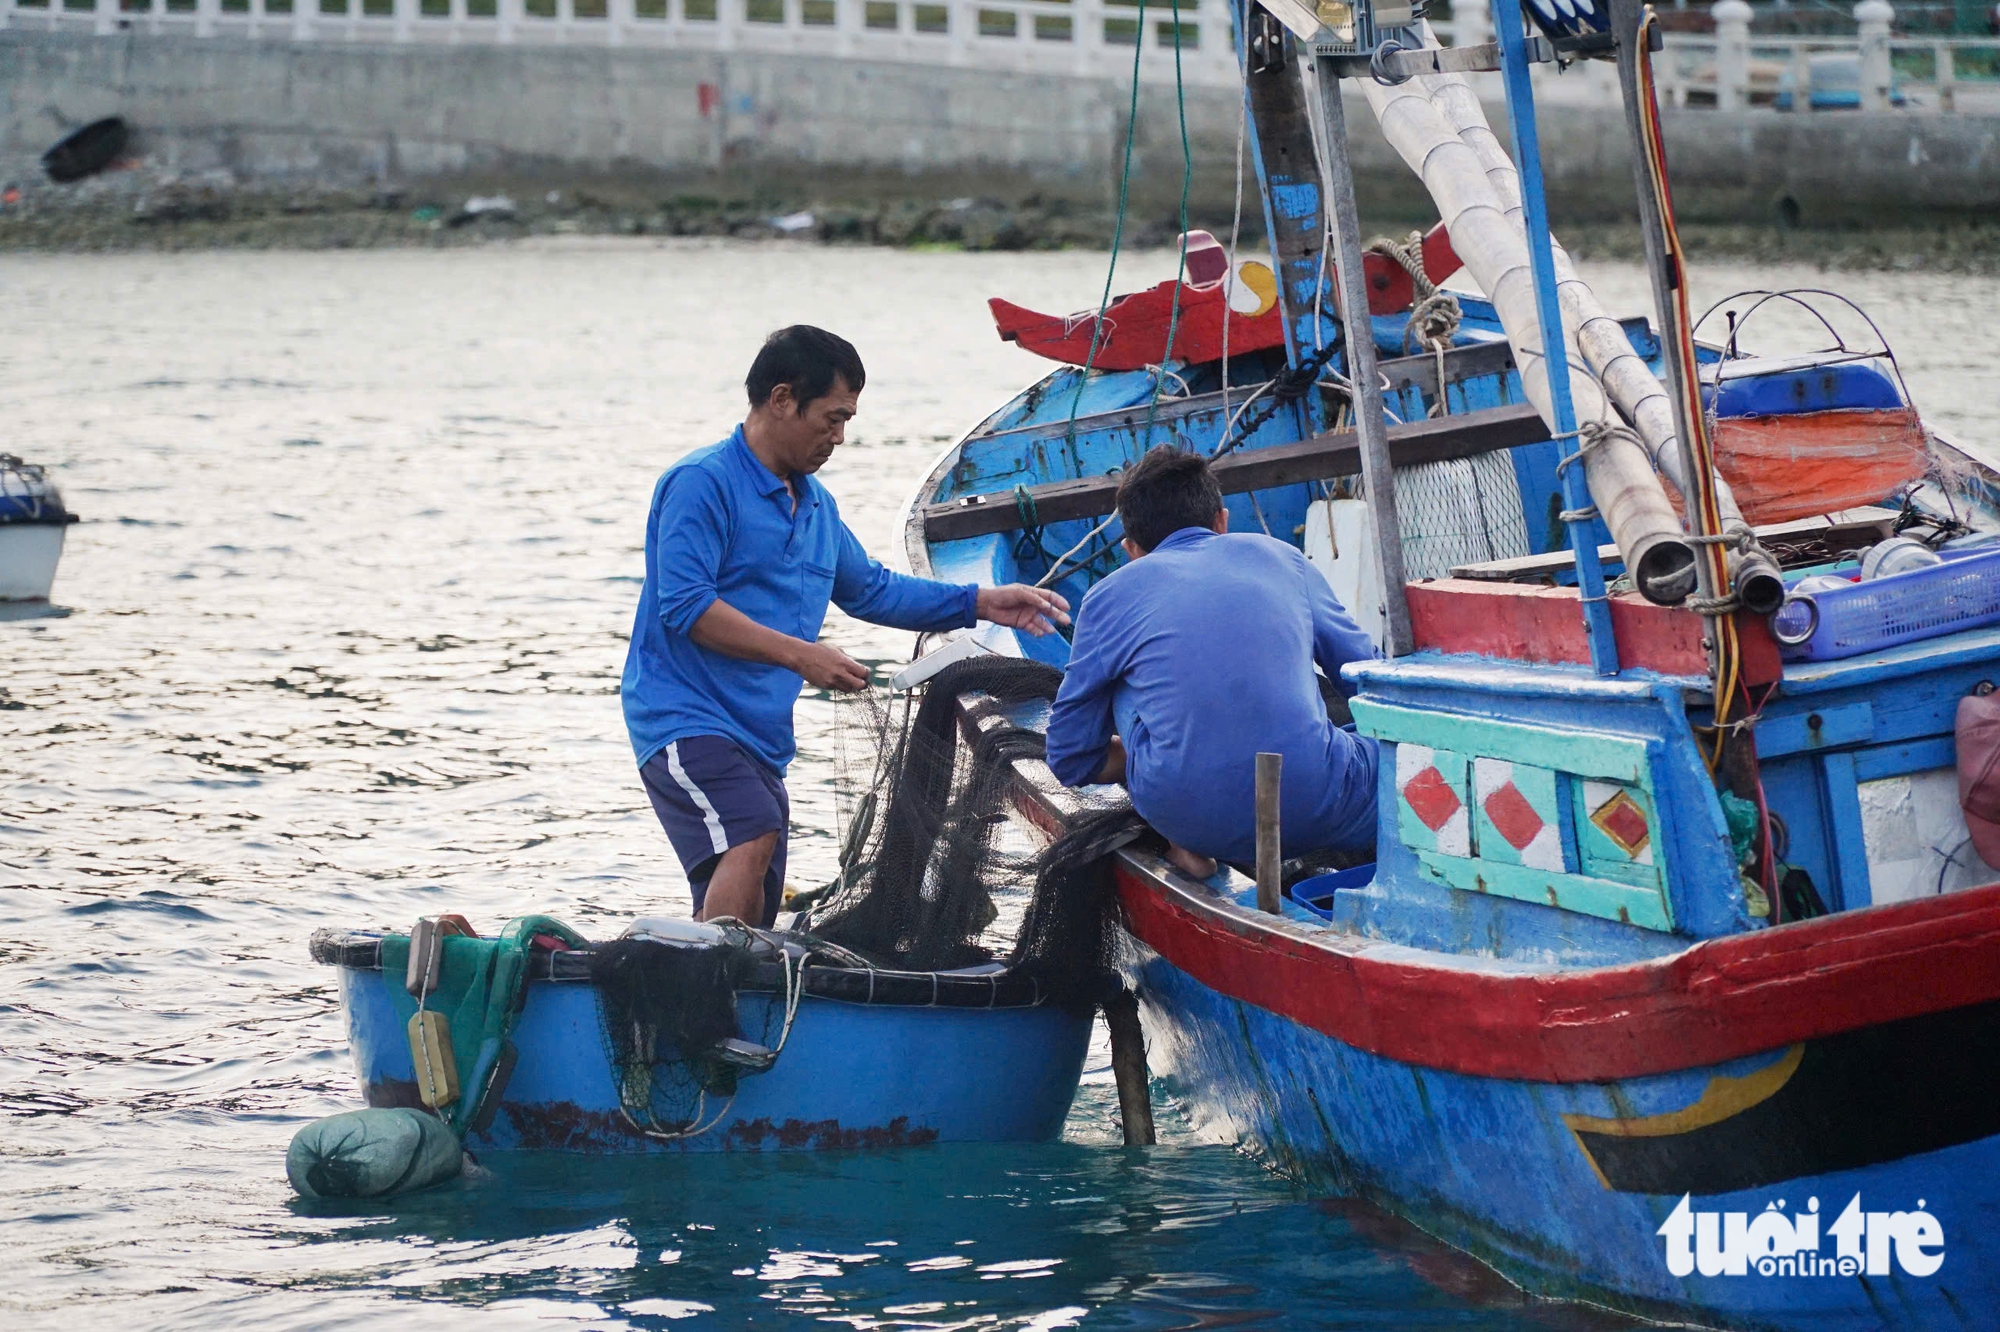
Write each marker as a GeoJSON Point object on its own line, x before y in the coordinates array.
{"type": "Point", "coordinates": [723, 527]}
{"type": "Point", "coordinates": [1200, 655]}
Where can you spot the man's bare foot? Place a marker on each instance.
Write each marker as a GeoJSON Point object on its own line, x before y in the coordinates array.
{"type": "Point", "coordinates": [1187, 862]}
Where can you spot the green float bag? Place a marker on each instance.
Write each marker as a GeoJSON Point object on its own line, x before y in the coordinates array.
{"type": "Point", "coordinates": [478, 996]}
{"type": "Point", "coordinates": [372, 1154]}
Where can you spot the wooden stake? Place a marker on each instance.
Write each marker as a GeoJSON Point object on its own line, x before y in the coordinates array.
{"type": "Point", "coordinates": [1128, 1066]}
{"type": "Point", "coordinates": [1270, 868]}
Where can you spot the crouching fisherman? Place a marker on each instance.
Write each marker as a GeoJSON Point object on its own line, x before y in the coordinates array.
{"type": "Point", "coordinates": [744, 550]}
{"type": "Point", "coordinates": [1197, 655]}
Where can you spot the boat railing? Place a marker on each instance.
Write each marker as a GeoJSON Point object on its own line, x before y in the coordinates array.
{"type": "Point", "coordinates": [1082, 37]}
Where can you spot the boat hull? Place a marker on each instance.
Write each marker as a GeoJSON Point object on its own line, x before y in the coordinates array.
{"type": "Point", "coordinates": [1565, 1186]}
{"type": "Point", "coordinates": [29, 553]}
{"type": "Point", "coordinates": [850, 1076]}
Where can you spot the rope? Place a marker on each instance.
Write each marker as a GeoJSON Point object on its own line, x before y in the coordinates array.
{"type": "Point", "coordinates": [1055, 570]}
{"type": "Point", "coordinates": [1591, 436]}
{"type": "Point", "coordinates": [1289, 385]}
{"type": "Point", "coordinates": [1235, 226]}
{"type": "Point", "coordinates": [1117, 239]}
{"type": "Point", "coordinates": [1434, 315]}
{"type": "Point", "coordinates": [1187, 182]}
{"type": "Point", "coordinates": [1704, 510]}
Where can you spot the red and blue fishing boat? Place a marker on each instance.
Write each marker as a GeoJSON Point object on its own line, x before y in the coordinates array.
{"type": "Point", "coordinates": [1674, 984]}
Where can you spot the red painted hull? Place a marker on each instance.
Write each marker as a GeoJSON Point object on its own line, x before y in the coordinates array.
{"type": "Point", "coordinates": [1719, 1000]}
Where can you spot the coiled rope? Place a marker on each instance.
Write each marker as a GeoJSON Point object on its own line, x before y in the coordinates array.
{"type": "Point", "coordinates": [1434, 315]}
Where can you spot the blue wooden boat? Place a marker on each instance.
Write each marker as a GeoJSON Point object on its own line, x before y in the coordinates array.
{"type": "Point", "coordinates": [872, 1058]}
{"type": "Point", "coordinates": [1694, 1047]}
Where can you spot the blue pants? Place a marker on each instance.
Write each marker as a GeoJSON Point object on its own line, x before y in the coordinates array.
{"type": "Point", "coordinates": [710, 795]}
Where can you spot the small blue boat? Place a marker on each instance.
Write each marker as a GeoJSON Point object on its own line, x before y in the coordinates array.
{"type": "Point", "coordinates": [870, 1058]}
{"type": "Point", "coordinates": [1675, 983]}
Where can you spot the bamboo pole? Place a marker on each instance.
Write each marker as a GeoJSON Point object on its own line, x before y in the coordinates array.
{"type": "Point", "coordinates": [1494, 250]}
{"type": "Point", "coordinates": [1628, 382]}
{"type": "Point", "coordinates": [1270, 865]}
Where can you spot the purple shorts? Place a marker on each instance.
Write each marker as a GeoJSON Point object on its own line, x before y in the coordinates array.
{"type": "Point", "coordinates": [710, 795]}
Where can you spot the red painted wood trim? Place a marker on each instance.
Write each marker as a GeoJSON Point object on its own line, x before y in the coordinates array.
{"type": "Point", "coordinates": [1716, 1001]}
{"type": "Point", "coordinates": [1522, 622]}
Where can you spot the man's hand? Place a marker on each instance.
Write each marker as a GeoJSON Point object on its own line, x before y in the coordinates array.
{"type": "Point", "coordinates": [722, 628]}
{"type": "Point", "coordinates": [826, 667]}
{"type": "Point", "coordinates": [1019, 606]}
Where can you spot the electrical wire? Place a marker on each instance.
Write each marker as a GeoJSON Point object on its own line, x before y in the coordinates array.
{"type": "Point", "coordinates": [1704, 507]}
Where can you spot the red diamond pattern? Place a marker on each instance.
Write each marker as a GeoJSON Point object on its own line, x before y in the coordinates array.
{"type": "Point", "coordinates": [1431, 798]}
{"type": "Point", "coordinates": [1624, 823]}
{"type": "Point", "coordinates": [1512, 816]}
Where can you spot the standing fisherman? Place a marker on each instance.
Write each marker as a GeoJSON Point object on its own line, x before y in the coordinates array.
{"type": "Point", "coordinates": [744, 549]}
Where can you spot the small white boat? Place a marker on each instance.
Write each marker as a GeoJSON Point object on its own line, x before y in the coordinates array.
{"type": "Point", "coordinates": [33, 523]}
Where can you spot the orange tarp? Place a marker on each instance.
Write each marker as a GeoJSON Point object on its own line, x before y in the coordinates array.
{"type": "Point", "coordinates": [1788, 467]}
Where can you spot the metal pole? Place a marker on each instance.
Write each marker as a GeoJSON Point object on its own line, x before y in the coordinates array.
{"type": "Point", "coordinates": [1510, 25]}
{"type": "Point", "coordinates": [1376, 472]}
{"type": "Point", "coordinates": [1270, 865]}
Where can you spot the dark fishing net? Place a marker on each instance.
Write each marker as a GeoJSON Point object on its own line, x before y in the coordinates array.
{"type": "Point", "coordinates": [663, 1008]}
{"type": "Point", "coordinates": [940, 869]}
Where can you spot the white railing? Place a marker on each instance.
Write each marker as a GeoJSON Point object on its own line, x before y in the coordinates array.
{"type": "Point", "coordinates": [1735, 69]}
{"type": "Point", "coordinates": [1087, 37]}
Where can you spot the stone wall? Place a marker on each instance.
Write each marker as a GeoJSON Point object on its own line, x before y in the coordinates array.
{"type": "Point", "coordinates": [796, 126]}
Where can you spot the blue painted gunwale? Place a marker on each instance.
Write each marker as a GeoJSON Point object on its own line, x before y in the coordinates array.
{"type": "Point", "coordinates": [851, 1075]}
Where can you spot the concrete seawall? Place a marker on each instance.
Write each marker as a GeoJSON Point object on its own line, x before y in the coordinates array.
{"type": "Point", "coordinates": [278, 113]}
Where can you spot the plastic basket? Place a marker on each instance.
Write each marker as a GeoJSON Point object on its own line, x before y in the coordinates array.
{"type": "Point", "coordinates": [1316, 894]}
{"type": "Point", "coordinates": [1961, 593]}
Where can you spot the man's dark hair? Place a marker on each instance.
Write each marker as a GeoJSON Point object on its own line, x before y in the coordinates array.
{"type": "Point", "coordinates": [809, 360]}
{"type": "Point", "coordinates": [1163, 492]}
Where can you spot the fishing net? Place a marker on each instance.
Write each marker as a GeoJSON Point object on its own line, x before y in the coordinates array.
{"type": "Point", "coordinates": [1458, 512]}
{"type": "Point", "coordinates": [943, 867]}
{"type": "Point", "coordinates": [665, 1010]}
{"type": "Point", "coordinates": [938, 872]}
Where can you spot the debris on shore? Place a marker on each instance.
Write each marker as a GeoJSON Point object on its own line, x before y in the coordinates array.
{"type": "Point", "coordinates": [139, 208]}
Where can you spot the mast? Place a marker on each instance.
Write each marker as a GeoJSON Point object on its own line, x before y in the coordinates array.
{"type": "Point", "coordinates": [1377, 475]}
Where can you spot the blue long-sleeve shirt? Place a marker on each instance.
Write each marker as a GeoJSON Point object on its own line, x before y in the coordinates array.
{"type": "Point", "coordinates": [1200, 655]}
{"type": "Point", "coordinates": [723, 527]}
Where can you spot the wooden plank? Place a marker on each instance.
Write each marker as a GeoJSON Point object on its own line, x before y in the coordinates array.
{"type": "Point", "coordinates": [1581, 753]}
{"type": "Point", "coordinates": [1849, 529]}
{"type": "Point", "coordinates": [1644, 907]}
{"type": "Point", "coordinates": [1377, 471]}
{"type": "Point", "coordinates": [1535, 622]}
{"type": "Point", "coordinates": [1337, 453]}
{"type": "Point", "coordinates": [1473, 361]}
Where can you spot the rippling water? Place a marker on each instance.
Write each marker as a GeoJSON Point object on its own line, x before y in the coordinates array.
{"type": "Point", "coordinates": [362, 539]}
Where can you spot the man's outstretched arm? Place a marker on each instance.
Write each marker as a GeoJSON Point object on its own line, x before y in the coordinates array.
{"type": "Point", "coordinates": [867, 591]}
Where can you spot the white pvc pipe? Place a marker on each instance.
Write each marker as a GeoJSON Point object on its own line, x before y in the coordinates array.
{"type": "Point", "coordinates": [1494, 250]}
{"type": "Point", "coordinates": [1630, 384]}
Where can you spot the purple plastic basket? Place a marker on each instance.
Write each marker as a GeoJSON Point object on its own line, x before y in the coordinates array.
{"type": "Point", "coordinates": [1961, 593]}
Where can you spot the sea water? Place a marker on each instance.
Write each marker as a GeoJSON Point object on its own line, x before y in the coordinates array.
{"type": "Point", "coordinates": [345, 619]}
